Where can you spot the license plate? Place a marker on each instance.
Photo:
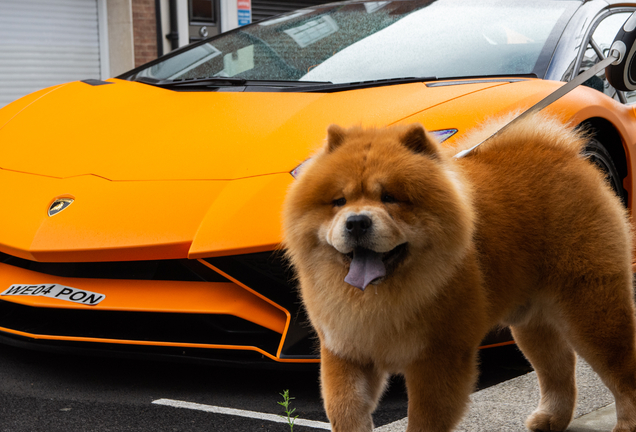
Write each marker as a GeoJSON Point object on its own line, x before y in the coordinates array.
{"type": "Point", "coordinates": [57, 291]}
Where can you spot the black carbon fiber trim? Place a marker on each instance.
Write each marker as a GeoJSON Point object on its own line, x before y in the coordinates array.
{"type": "Point", "coordinates": [95, 82]}
{"type": "Point", "coordinates": [211, 356]}
{"type": "Point", "coordinates": [267, 272]}
{"type": "Point", "coordinates": [270, 274]}
{"type": "Point", "coordinates": [172, 270]}
{"type": "Point", "coordinates": [138, 326]}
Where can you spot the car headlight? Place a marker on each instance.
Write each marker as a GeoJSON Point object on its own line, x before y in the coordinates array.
{"type": "Point", "coordinates": [296, 171]}
{"type": "Point", "coordinates": [443, 134]}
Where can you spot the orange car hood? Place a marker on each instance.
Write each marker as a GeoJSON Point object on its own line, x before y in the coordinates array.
{"type": "Point", "coordinates": [123, 151]}
{"type": "Point", "coordinates": [132, 131]}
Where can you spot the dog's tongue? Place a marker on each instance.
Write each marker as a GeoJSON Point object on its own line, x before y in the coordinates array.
{"type": "Point", "coordinates": [365, 267]}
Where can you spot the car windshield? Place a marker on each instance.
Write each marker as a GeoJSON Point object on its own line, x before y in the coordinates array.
{"type": "Point", "coordinates": [364, 41]}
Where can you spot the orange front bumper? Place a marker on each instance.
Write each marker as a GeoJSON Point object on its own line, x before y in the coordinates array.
{"type": "Point", "coordinates": [147, 313]}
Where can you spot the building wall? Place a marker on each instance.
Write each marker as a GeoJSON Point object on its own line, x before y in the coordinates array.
{"type": "Point", "coordinates": [144, 30]}
{"type": "Point", "coordinates": [120, 36]}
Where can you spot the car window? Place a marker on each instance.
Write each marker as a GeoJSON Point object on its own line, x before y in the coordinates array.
{"type": "Point", "coordinates": [598, 48]}
{"type": "Point", "coordinates": [353, 42]}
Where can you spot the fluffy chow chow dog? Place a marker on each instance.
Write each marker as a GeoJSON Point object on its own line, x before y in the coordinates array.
{"type": "Point", "coordinates": [406, 257]}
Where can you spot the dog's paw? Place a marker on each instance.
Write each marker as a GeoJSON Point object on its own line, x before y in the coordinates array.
{"type": "Point", "coordinates": [541, 421]}
{"type": "Point", "coordinates": [623, 427]}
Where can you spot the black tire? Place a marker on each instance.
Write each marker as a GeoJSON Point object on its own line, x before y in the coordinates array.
{"type": "Point", "coordinates": [599, 156]}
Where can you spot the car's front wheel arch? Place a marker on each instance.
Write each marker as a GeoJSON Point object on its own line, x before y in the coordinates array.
{"type": "Point", "coordinates": [605, 149]}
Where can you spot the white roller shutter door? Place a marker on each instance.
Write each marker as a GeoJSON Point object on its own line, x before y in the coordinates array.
{"type": "Point", "coordinates": [46, 42]}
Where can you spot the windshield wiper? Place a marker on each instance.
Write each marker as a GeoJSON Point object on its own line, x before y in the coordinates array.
{"type": "Point", "coordinates": [193, 82]}
{"type": "Point", "coordinates": [329, 87]}
{"type": "Point", "coordinates": [280, 86]}
{"type": "Point", "coordinates": [215, 82]}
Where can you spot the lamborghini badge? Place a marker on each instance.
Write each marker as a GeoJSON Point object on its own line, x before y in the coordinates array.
{"type": "Point", "coordinates": [59, 204]}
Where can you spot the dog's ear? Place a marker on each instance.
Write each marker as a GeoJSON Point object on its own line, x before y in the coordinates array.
{"type": "Point", "coordinates": [335, 136]}
{"type": "Point", "coordinates": [417, 140]}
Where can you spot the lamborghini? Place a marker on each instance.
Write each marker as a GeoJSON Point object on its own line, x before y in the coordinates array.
{"type": "Point", "coordinates": [143, 212]}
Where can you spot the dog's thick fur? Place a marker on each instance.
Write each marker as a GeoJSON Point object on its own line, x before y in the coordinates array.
{"type": "Point", "coordinates": [523, 232]}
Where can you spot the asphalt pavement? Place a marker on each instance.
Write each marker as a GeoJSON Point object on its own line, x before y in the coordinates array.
{"type": "Point", "coordinates": [504, 407]}
{"type": "Point", "coordinates": [44, 392]}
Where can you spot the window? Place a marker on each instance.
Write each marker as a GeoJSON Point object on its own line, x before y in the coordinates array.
{"type": "Point", "coordinates": [382, 40]}
{"type": "Point", "coordinates": [202, 11]}
{"type": "Point", "coordinates": [598, 48]}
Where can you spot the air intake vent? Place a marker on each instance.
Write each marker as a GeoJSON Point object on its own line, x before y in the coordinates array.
{"type": "Point", "coordinates": [172, 270]}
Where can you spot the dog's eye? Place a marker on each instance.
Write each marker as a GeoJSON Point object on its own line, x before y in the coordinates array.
{"type": "Point", "coordinates": [388, 199]}
{"type": "Point", "coordinates": [339, 202]}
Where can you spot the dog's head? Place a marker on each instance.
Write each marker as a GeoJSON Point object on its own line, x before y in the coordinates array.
{"type": "Point", "coordinates": [372, 200]}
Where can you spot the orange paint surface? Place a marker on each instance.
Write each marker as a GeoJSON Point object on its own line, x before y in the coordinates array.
{"type": "Point", "coordinates": [207, 177]}
{"type": "Point", "coordinates": [151, 296]}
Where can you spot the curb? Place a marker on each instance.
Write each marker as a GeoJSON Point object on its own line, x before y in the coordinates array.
{"type": "Point", "coordinates": [504, 407]}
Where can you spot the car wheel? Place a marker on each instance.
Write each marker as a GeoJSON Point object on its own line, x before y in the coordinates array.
{"type": "Point", "coordinates": [599, 156]}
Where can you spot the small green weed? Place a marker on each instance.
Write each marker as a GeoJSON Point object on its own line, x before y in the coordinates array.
{"type": "Point", "coordinates": [288, 412]}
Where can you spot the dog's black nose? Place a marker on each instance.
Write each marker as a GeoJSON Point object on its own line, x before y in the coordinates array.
{"type": "Point", "coordinates": [358, 225]}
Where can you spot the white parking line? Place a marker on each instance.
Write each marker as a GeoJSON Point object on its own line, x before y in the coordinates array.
{"type": "Point", "coordinates": [239, 413]}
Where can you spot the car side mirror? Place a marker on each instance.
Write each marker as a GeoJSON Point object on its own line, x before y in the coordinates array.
{"type": "Point", "coordinates": [621, 74]}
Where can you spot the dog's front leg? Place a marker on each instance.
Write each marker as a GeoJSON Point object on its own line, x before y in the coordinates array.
{"type": "Point", "coordinates": [439, 387]}
{"type": "Point", "coordinates": [350, 392]}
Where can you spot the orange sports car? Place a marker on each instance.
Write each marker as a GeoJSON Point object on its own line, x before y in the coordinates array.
{"type": "Point", "coordinates": [143, 212]}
